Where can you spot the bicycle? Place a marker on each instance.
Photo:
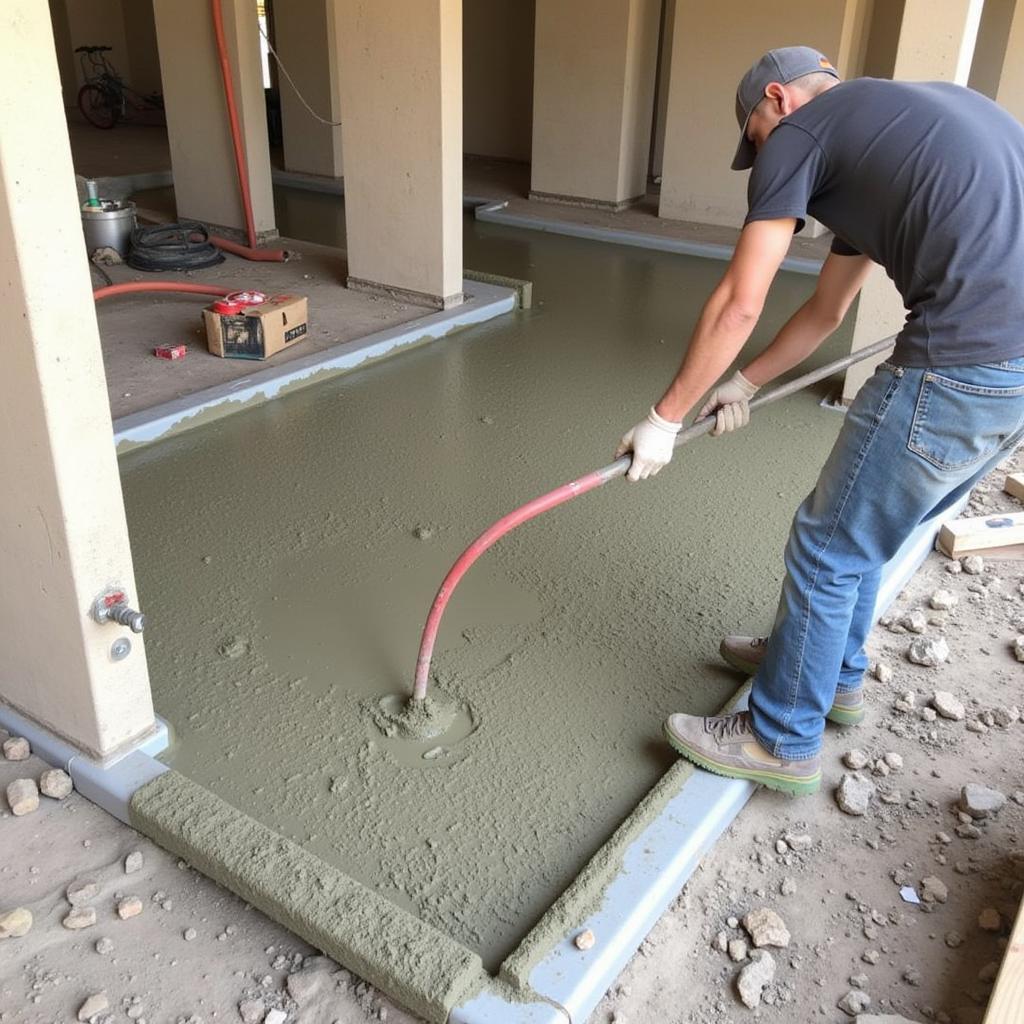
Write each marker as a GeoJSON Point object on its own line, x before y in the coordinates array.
{"type": "Point", "coordinates": [104, 98]}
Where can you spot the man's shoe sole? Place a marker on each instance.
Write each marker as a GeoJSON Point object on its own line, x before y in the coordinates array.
{"type": "Point", "coordinates": [770, 780]}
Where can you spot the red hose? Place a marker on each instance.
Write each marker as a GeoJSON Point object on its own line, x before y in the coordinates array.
{"type": "Point", "coordinates": [506, 524]}
{"type": "Point", "coordinates": [131, 287]}
{"type": "Point", "coordinates": [251, 252]}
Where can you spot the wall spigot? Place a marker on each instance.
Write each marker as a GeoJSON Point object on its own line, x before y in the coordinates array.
{"type": "Point", "coordinates": [112, 606]}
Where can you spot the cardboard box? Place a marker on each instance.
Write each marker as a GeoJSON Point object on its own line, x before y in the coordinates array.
{"type": "Point", "coordinates": [240, 331]}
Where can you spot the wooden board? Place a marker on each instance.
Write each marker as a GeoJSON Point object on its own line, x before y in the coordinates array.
{"type": "Point", "coordinates": [1015, 485]}
{"type": "Point", "coordinates": [979, 533]}
{"type": "Point", "coordinates": [1007, 1003]}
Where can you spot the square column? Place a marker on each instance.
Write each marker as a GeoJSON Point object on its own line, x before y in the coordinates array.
{"type": "Point", "coordinates": [307, 49]}
{"type": "Point", "coordinates": [713, 46]}
{"type": "Point", "coordinates": [936, 42]}
{"type": "Point", "coordinates": [998, 66]}
{"type": "Point", "coordinates": [202, 159]}
{"type": "Point", "coordinates": [400, 70]}
{"type": "Point", "coordinates": [63, 536]}
{"type": "Point", "coordinates": [593, 100]}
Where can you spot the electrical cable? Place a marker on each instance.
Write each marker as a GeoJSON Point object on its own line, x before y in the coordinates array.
{"type": "Point", "coordinates": [291, 82]}
{"type": "Point", "coordinates": [184, 245]}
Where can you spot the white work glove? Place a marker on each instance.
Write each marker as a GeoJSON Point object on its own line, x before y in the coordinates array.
{"type": "Point", "coordinates": [731, 404]}
{"type": "Point", "coordinates": [652, 442]}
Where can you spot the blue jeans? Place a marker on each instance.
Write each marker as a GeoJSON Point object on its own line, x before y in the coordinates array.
{"type": "Point", "coordinates": [914, 442]}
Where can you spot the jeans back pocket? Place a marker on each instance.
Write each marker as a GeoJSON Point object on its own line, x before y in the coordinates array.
{"type": "Point", "coordinates": [959, 424]}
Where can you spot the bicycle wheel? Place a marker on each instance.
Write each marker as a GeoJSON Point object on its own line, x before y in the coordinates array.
{"type": "Point", "coordinates": [98, 106]}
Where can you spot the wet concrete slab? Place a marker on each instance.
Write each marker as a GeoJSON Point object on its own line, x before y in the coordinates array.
{"type": "Point", "coordinates": [287, 555]}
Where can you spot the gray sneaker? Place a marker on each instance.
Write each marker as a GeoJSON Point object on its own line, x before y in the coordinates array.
{"type": "Point", "coordinates": [725, 745]}
{"type": "Point", "coordinates": [745, 654]}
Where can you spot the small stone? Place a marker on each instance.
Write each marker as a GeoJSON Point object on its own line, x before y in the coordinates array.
{"type": "Point", "coordinates": [275, 1017]}
{"type": "Point", "coordinates": [80, 917]}
{"type": "Point", "coordinates": [1005, 717]}
{"type": "Point", "coordinates": [943, 600]}
{"type": "Point", "coordinates": [954, 568]}
{"type": "Point", "coordinates": [56, 784]}
{"type": "Point", "coordinates": [928, 714]}
{"type": "Point", "coordinates": [585, 939]}
{"type": "Point", "coordinates": [934, 890]}
{"type": "Point", "coordinates": [787, 887]}
{"type": "Point", "coordinates": [976, 727]}
{"type": "Point", "coordinates": [189, 934]}
{"type": "Point", "coordinates": [1018, 648]}
{"type": "Point", "coordinates": [82, 891]}
{"type": "Point", "coordinates": [858, 981]}
{"type": "Point", "coordinates": [914, 622]}
{"type": "Point", "coordinates": [23, 796]}
{"type": "Point", "coordinates": [980, 801]}
{"type": "Point", "coordinates": [989, 920]}
{"type": "Point", "coordinates": [798, 840]}
{"type": "Point", "coordinates": [781, 846]}
{"type": "Point", "coordinates": [133, 862]}
{"type": "Point", "coordinates": [732, 922]}
{"type": "Point", "coordinates": [17, 749]}
{"type": "Point", "coordinates": [251, 1010]}
{"type": "Point", "coordinates": [948, 706]}
{"type": "Point", "coordinates": [871, 956]}
{"type": "Point", "coordinates": [854, 794]}
{"type": "Point", "coordinates": [855, 759]}
{"type": "Point", "coordinates": [894, 761]}
{"type": "Point", "coordinates": [130, 906]}
{"type": "Point", "coordinates": [855, 1001]}
{"type": "Point", "coordinates": [738, 950]}
{"type": "Point", "coordinates": [882, 672]}
{"type": "Point", "coordinates": [104, 946]}
{"type": "Point", "coordinates": [96, 1003]}
{"type": "Point", "coordinates": [423, 533]}
{"type": "Point", "coordinates": [968, 831]}
{"type": "Point", "coordinates": [880, 768]}
{"type": "Point", "coordinates": [304, 985]}
{"type": "Point", "coordinates": [766, 928]}
{"type": "Point", "coordinates": [135, 1009]}
{"type": "Point", "coordinates": [928, 651]}
{"type": "Point", "coordinates": [973, 565]}
{"type": "Point", "coordinates": [912, 976]}
{"type": "Point", "coordinates": [752, 980]}
{"type": "Point", "coordinates": [15, 923]}
{"type": "Point", "coordinates": [954, 940]}
{"type": "Point", "coordinates": [720, 942]}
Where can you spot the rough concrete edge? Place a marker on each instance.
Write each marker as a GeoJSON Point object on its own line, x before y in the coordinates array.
{"type": "Point", "coordinates": [522, 288]}
{"type": "Point", "coordinates": [141, 428]}
{"type": "Point", "coordinates": [109, 785]}
{"type": "Point", "coordinates": [418, 965]}
{"type": "Point", "coordinates": [308, 182]}
{"type": "Point", "coordinates": [496, 213]}
{"type": "Point", "coordinates": [497, 1005]}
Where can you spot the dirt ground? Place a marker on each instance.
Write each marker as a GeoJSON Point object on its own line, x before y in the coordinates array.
{"type": "Point", "coordinates": [196, 954]}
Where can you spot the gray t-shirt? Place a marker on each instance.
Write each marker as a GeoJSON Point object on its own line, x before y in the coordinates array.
{"type": "Point", "coordinates": [928, 180]}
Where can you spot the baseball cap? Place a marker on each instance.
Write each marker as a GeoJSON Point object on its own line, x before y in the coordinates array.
{"type": "Point", "coordinates": [783, 66]}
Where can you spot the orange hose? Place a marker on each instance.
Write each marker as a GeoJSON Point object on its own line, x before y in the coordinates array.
{"type": "Point", "coordinates": [248, 253]}
{"type": "Point", "coordinates": [131, 287]}
{"type": "Point", "coordinates": [252, 252]}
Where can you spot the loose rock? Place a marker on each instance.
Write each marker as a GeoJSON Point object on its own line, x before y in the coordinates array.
{"type": "Point", "coordinates": [943, 600]}
{"type": "Point", "coordinates": [914, 622]}
{"type": "Point", "coordinates": [133, 862]}
{"type": "Point", "coordinates": [15, 923]}
{"type": "Point", "coordinates": [17, 748]}
{"type": "Point", "coordinates": [989, 920]}
{"type": "Point", "coordinates": [585, 939]}
{"type": "Point", "coordinates": [894, 761]}
{"type": "Point", "coordinates": [97, 1003]}
{"type": "Point", "coordinates": [854, 794]}
{"type": "Point", "coordinates": [55, 783]}
{"type": "Point", "coordinates": [23, 796]}
{"type": "Point", "coordinates": [855, 759]}
{"type": "Point", "coordinates": [104, 946]}
{"type": "Point", "coordinates": [251, 1011]}
{"type": "Point", "coordinates": [1018, 648]}
{"type": "Point", "coordinates": [928, 651]}
{"type": "Point", "coordinates": [753, 979]}
{"type": "Point", "coordinates": [80, 917]}
{"type": "Point", "coordinates": [304, 985]}
{"type": "Point", "coordinates": [82, 891]}
{"type": "Point", "coordinates": [948, 706]}
{"type": "Point", "coordinates": [275, 1017]}
{"type": "Point", "coordinates": [766, 928]}
{"type": "Point", "coordinates": [738, 950]}
{"type": "Point", "coordinates": [130, 906]}
{"type": "Point", "coordinates": [855, 1001]}
{"type": "Point", "coordinates": [980, 801]}
{"type": "Point", "coordinates": [973, 565]}
{"type": "Point", "coordinates": [882, 672]}
{"type": "Point", "coordinates": [934, 890]}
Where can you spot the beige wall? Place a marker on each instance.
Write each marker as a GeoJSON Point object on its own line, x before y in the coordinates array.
{"type": "Point", "coordinates": [883, 38]}
{"type": "Point", "coordinates": [713, 45]}
{"type": "Point", "coordinates": [98, 23]}
{"type": "Point", "coordinates": [497, 69]}
{"type": "Point", "coordinates": [205, 180]}
{"type": "Point", "coordinates": [63, 536]}
{"type": "Point", "coordinates": [140, 38]}
{"type": "Point", "coordinates": [594, 98]}
{"type": "Point", "coordinates": [668, 21]}
{"type": "Point", "coordinates": [65, 57]}
{"type": "Point", "coordinates": [1010, 92]}
{"type": "Point", "coordinates": [306, 47]}
{"type": "Point", "coordinates": [403, 145]}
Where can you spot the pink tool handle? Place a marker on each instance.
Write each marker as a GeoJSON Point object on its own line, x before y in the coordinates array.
{"type": "Point", "coordinates": [590, 482]}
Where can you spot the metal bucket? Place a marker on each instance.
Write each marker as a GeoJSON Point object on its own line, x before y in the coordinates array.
{"type": "Point", "coordinates": [110, 224]}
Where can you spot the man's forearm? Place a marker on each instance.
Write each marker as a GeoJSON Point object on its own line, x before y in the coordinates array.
{"type": "Point", "coordinates": [802, 334]}
{"type": "Point", "coordinates": [721, 332]}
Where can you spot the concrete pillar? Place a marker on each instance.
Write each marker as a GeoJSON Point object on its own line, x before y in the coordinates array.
{"type": "Point", "coordinates": [936, 42]}
{"type": "Point", "coordinates": [400, 71]}
{"type": "Point", "coordinates": [593, 100]}
{"type": "Point", "coordinates": [63, 537]}
{"type": "Point", "coordinates": [713, 45]}
{"type": "Point", "coordinates": [202, 160]}
{"type": "Point", "coordinates": [668, 22]}
{"type": "Point", "coordinates": [307, 49]}
{"type": "Point", "coordinates": [998, 66]}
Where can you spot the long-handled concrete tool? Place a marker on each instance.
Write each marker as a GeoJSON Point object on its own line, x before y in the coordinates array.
{"type": "Point", "coordinates": [590, 482]}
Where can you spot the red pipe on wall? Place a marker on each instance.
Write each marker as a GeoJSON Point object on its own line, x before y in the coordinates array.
{"type": "Point", "coordinates": [250, 252]}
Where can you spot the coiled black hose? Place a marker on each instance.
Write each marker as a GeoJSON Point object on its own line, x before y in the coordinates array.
{"type": "Point", "coordinates": [184, 245]}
